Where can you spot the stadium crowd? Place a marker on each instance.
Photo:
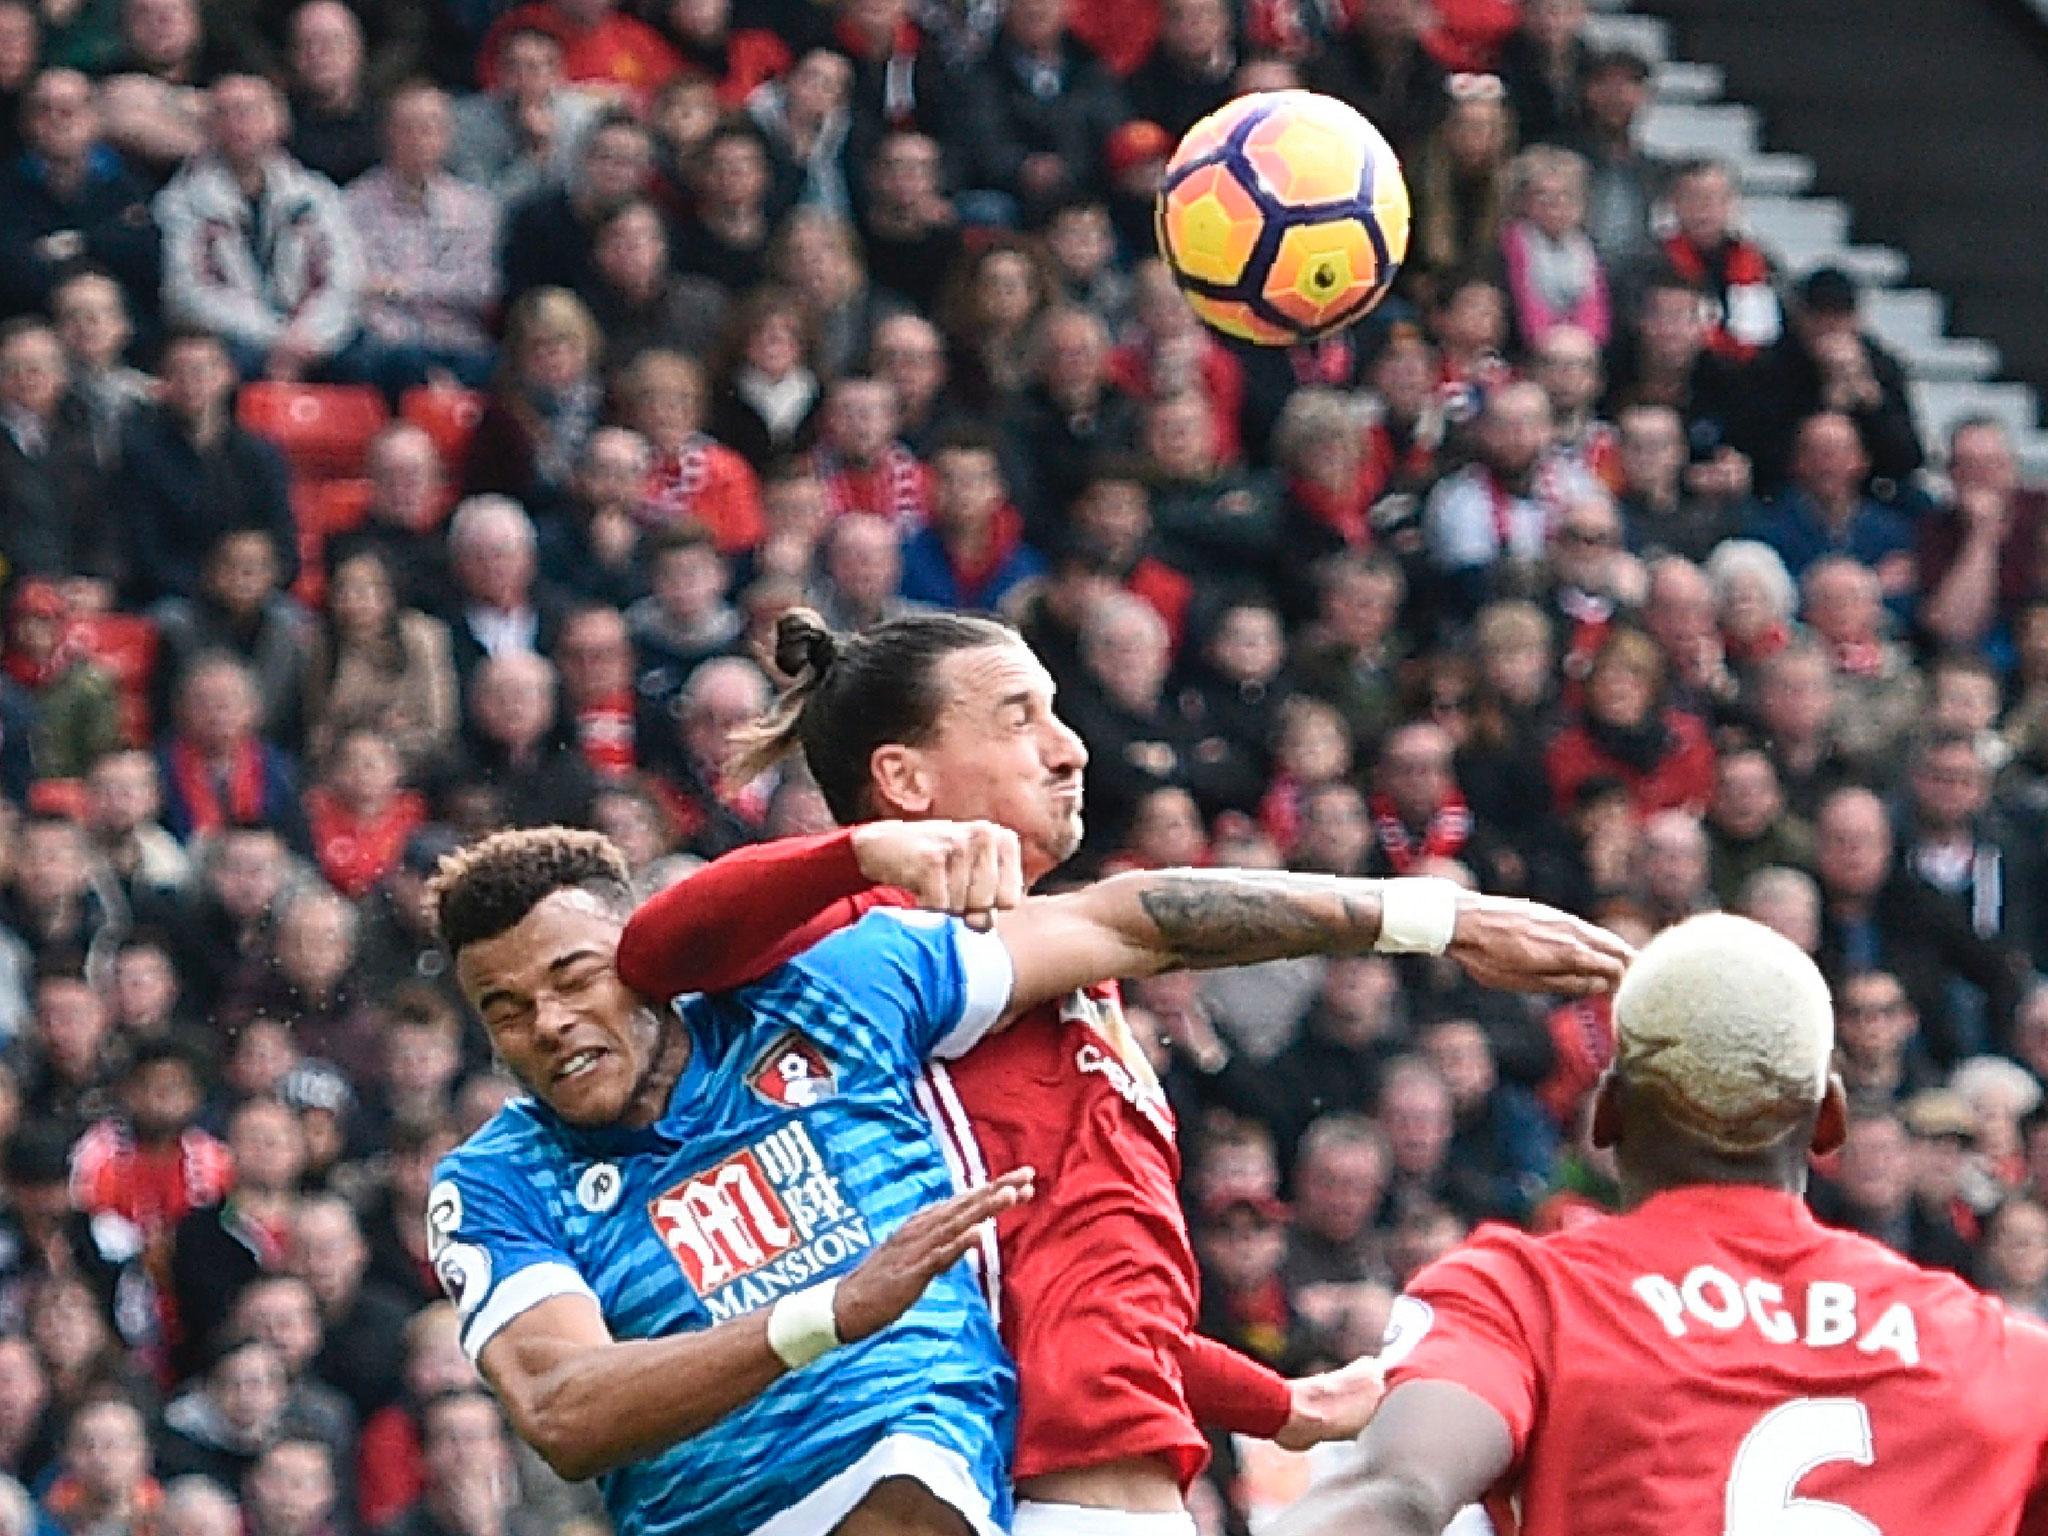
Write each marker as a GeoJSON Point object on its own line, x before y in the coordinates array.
{"type": "Point", "coordinates": [414, 415]}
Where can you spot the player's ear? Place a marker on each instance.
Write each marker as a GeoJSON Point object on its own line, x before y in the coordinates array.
{"type": "Point", "coordinates": [901, 784]}
{"type": "Point", "coordinates": [1606, 1129]}
{"type": "Point", "coordinates": [1831, 1129]}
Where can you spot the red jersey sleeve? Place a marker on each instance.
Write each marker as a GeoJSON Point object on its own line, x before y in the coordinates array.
{"type": "Point", "coordinates": [1472, 1319]}
{"type": "Point", "coordinates": [740, 916]}
{"type": "Point", "coordinates": [1231, 1391]}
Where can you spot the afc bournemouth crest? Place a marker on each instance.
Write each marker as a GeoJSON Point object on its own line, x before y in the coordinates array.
{"type": "Point", "coordinates": [794, 1073]}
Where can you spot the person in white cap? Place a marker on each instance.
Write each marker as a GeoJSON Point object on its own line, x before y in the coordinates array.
{"type": "Point", "coordinates": [1712, 1361]}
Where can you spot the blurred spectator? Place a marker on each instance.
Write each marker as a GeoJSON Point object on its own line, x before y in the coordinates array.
{"type": "Point", "coordinates": [502, 607]}
{"type": "Point", "coordinates": [1187, 75]}
{"type": "Point", "coordinates": [1554, 276]}
{"type": "Point", "coordinates": [545, 405]}
{"type": "Point", "coordinates": [973, 554]}
{"type": "Point", "coordinates": [1351, 654]}
{"type": "Point", "coordinates": [1566, 362]}
{"type": "Point", "coordinates": [1218, 524]}
{"type": "Point", "coordinates": [217, 769]}
{"type": "Point", "coordinates": [516, 741]}
{"type": "Point", "coordinates": [693, 476]}
{"type": "Point", "coordinates": [1594, 584]}
{"type": "Point", "coordinates": [429, 247]}
{"type": "Point", "coordinates": [279, 1309]}
{"type": "Point", "coordinates": [1242, 1241]}
{"type": "Point", "coordinates": [1622, 181]}
{"type": "Point", "coordinates": [1824, 363]}
{"type": "Point", "coordinates": [72, 709]}
{"type": "Point", "coordinates": [360, 814]}
{"type": "Point", "coordinates": [422, 1058]}
{"type": "Point", "coordinates": [910, 353]}
{"type": "Point", "coordinates": [363, 1322]}
{"type": "Point", "coordinates": [92, 316]}
{"type": "Point", "coordinates": [526, 130]}
{"type": "Point", "coordinates": [103, 1485]}
{"type": "Point", "coordinates": [1339, 1185]}
{"type": "Point", "coordinates": [1708, 251]}
{"type": "Point", "coordinates": [197, 1506]}
{"type": "Point", "coordinates": [596, 544]}
{"type": "Point", "coordinates": [1166, 350]}
{"type": "Point", "coordinates": [549, 235]}
{"type": "Point", "coordinates": [1419, 815]}
{"type": "Point", "coordinates": [1877, 916]}
{"type": "Point", "coordinates": [911, 236]}
{"type": "Point", "coordinates": [1035, 115]}
{"type": "Point", "coordinates": [1786, 901]}
{"type": "Point", "coordinates": [1544, 65]}
{"type": "Point", "coordinates": [69, 201]}
{"type": "Point", "coordinates": [803, 120]}
{"type": "Point", "coordinates": [638, 302]}
{"type": "Point", "coordinates": [684, 621]}
{"type": "Point", "coordinates": [1980, 553]}
{"type": "Point", "coordinates": [25, 1433]}
{"type": "Point", "coordinates": [2014, 1262]}
{"type": "Point", "coordinates": [1378, 64]}
{"type": "Point", "coordinates": [1502, 1144]}
{"type": "Point", "coordinates": [736, 59]}
{"type": "Point", "coordinates": [192, 470]}
{"type": "Point", "coordinates": [713, 816]}
{"type": "Point", "coordinates": [1460, 184]}
{"type": "Point", "coordinates": [469, 1486]}
{"type": "Point", "coordinates": [862, 464]}
{"type": "Point", "coordinates": [408, 494]}
{"type": "Point", "coordinates": [1663, 359]}
{"type": "Point", "coordinates": [1628, 732]}
{"type": "Point", "coordinates": [765, 389]}
{"type": "Point", "coordinates": [1874, 1187]}
{"type": "Point", "coordinates": [220, 1246]}
{"type": "Point", "coordinates": [1070, 412]}
{"type": "Point", "coordinates": [1825, 509]}
{"type": "Point", "coordinates": [1749, 828]}
{"type": "Point", "coordinates": [292, 1491]}
{"type": "Point", "coordinates": [57, 904]}
{"type": "Point", "coordinates": [221, 1425]}
{"type": "Point", "coordinates": [152, 1164]}
{"type": "Point", "coordinates": [376, 665]}
{"type": "Point", "coordinates": [1319, 449]}
{"type": "Point", "coordinates": [1955, 840]}
{"type": "Point", "coordinates": [54, 1243]}
{"type": "Point", "coordinates": [224, 936]}
{"type": "Point", "coordinates": [990, 311]}
{"type": "Point", "coordinates": [282, 286]}
{"type": "Point", "coordinates": [726, 237]}
{"type": "Point", "coordinates": [602, 47]}
{"type": "Point", "coordinates": [396, 942]}
{"type": "Point", "coordinates": [240, 610]}
{"type": "Point", "coordinates": [1878, 1052]}
{"type": "Point", "coordinates": [333, 120]}
{"type": "Point", "coordinates": [124, 799]}
{"type": "Point", "coordinates": [1665, 506]}
{"type": "Point", "coordinates": [153, 102]}
{"type": "Point", "coordinates": [50, 487]}
{"type": "Point", "coordinates": [1880, 695]}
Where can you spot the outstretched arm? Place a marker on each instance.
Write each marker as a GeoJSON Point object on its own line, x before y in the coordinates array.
{"type": "Point", "coordinates": [588, 1402]}
{"type": "Point", "coordinates": [741, 915]}
{"type": "Point", "coordinates": [1143, 923]}
{"type": "Point", "coordinates": [1432, 1448]}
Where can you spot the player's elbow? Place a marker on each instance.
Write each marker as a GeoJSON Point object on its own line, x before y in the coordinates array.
{"type": "Point", "coordinates": [1404, 1505]}
{"type": "Point", "coordinates": [566, 1436]}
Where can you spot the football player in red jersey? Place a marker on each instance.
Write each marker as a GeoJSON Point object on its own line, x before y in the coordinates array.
{"type": "Point", "coordinates": [939, 716]}
{"type": "Point", "coordinates": [1713, 1361]}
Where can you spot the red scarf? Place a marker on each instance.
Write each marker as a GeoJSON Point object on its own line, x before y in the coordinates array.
{"type": "Point", "coordinates": [356, 851]}
{"type": "Point", "coordinates": [1343, 515]}
{"type": "Point", "coordinates": [895, 486]}
{"type": "Point", "coordinates": [200, 792]}
{"type": "Point", "coordinates": [676, 481]}
{"type": "Point", "coordinates": [1742, 266]}
{"type": "Point", "coordinates": [1450, 824]}
{"type": "Point", "coordinates": [1388, 464]}
{"type": "Point", "coordinates": [1766, 644]}
{"type": "Point", "coordinates": [605, 731]}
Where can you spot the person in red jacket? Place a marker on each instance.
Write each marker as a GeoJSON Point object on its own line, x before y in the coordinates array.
{"type": "Point", "coordinates": [939, 716]}
{"type": "Point", "coordinates": [1626, 732]}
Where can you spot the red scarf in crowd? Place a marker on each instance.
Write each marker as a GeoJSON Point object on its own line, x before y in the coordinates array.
{"type": "Point", "coordinates": [1390, 465]}
{"type": "Point", "coordinates": [1743, 265]}
{"type": "Point", "coordinates": [677, 480]}
{"type": "Point", "coordinates": [41, 599]}
{"type": "Point", "coordinates": [1344, 515]}
{"type": "Point", "coordinates": [355, 850]}
{"type": "Point", "coordinates": [1450, 825]}
{"type": "Point", "coordinates": [605, 730]}
{"type": "Point", "coordinates": [895, 486]}
{"type": "Point", "coordinates": [201, 792]}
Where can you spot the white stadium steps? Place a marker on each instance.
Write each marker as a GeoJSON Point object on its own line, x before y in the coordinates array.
{"type": "Point", "coordinates": [1940, 404]}
{"type": "Point", "coordinates": [1722, 130]}
{"type": "Point", "coordinates": [1644, 35]}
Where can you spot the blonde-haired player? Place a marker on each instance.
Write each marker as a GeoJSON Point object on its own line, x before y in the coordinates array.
{"type": "Point", "coordinates": [1713, 1361]}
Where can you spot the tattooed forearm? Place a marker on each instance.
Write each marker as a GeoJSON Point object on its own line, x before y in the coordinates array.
{"type": "Point", "coordinates": [1240, 917]}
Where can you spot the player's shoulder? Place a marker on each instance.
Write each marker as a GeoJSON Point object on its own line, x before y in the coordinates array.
{"type": "Point", "coordinates": [513, 1138]}
{"type": "Point", "coordinates": [1494, 1258]}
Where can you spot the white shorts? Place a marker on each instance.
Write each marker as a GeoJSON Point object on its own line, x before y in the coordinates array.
{"type": "Point", "coordinates": [1035, 1519]}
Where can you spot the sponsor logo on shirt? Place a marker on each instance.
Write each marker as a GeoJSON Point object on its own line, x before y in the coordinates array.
{"type": "Point", "coordinates": [794, 1073]}
{"type": "Point", "coordinates": [1114, 1054]}
{"type": "Point", "coordinates": [764, 1222]}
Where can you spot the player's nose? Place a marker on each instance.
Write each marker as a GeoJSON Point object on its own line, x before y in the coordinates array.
{"type": "Point", "coordinates": [1065, 751]}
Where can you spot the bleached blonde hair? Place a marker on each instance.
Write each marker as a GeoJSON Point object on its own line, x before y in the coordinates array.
{"type": "Point", "coordinates": [1730, 1026]}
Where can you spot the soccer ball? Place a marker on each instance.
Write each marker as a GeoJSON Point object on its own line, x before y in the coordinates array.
{"type": "Point", "coordinates": [1284, 217]}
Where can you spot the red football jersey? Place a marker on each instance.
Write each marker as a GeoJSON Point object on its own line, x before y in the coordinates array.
{"type": "Point", "coordinates": [1096, 1279]}
{"type": "Point", "coordinates": [1717, 1363]}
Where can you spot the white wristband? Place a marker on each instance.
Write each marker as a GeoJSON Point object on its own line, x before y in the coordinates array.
{"type": "Point", "coordinates": [801, 1326]}
{"type": "Point", "coordinates": [1417, 916]}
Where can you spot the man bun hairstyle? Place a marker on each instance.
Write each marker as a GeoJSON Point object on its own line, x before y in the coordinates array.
{"type": "Point", "coordinates": [481, 890]}
{"type": "Point", "coordinates": [851, 694]}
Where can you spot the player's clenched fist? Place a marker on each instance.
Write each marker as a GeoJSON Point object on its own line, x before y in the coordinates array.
{"type": "Point", "coordinates": [882, 1287]}
{"type": "Point", "coordinates": [970, 868]}
{"type": "Point", "coordinates": [1523, 946]}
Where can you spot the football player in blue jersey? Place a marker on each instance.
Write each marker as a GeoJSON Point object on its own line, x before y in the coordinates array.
{"type": "Point", "coordinates": [712, 1257]}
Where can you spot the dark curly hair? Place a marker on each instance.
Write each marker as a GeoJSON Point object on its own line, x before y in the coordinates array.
{"type": "Point", "coordinates": [483, 889]}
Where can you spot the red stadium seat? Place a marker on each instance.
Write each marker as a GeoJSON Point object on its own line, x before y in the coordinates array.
{"type": "Point", "coordinates": [320, 510]}
{"type": "Point", "coordinates": [324, 430]}
{"type": "Point", "coordinates": [125, 644]}
{"type": "Point", "coordinates": [448, 416]}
